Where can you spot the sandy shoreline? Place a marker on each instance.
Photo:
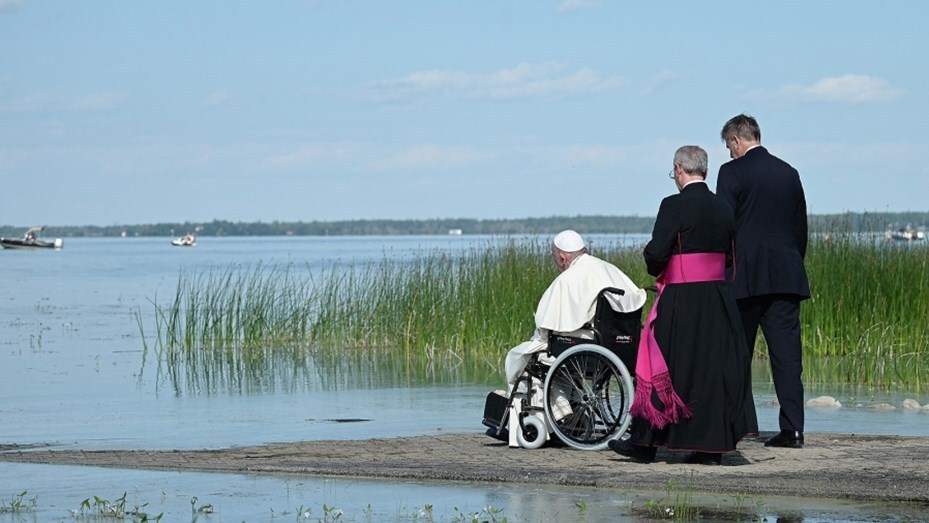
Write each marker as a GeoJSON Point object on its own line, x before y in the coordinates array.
{"type": "Point", "coordinates": [837, 466]}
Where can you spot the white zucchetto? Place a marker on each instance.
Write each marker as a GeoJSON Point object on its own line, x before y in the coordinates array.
{"type": "Point", "coordinates": [568, 241]}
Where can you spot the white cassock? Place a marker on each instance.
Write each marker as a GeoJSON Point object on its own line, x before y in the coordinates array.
{"type": "Point", "coordinates": [569, 303]}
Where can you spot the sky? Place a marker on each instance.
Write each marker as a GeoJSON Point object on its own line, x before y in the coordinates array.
{"type": "Point", "coordinates": [117, 112]}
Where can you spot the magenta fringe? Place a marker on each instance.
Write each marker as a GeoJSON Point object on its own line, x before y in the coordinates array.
{"type": "Point", "coordinates": [674, 408]}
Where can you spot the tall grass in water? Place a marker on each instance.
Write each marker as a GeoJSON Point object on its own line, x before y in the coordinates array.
{"type": "Point", "coordinates": [432, 312]}
{"type": "Point", "coordinates": [227, 328]}
{"type": "Point", "coordinates": [868, 319]}
{"type": "Point", "coordinates": [438, 307]}
{"type": "Point", "coordinates": [435, 313]}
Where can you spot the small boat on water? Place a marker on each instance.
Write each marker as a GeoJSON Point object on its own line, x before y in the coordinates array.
{"type": "Point", "coordinates": [905, 234]}
{"type": "Point", "coordinates": [30, 240]}
{"type": "Point", "coordinates": [188, 240]}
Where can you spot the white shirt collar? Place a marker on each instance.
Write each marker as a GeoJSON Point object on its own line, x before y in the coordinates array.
{"type": "Point", "coordinates": [693, 181]}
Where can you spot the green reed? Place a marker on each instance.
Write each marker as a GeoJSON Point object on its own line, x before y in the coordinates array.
{"type": "Point", "coordinates": [450, 311]}
{"type": "Point", "coordinates": [868, 319]}
{"type": "Point", "coordinates": [436, 307]}
{"type": "Point", "coordinates": [428, 313]}
{"type": "Point", "coordinates": [223, 327]}
{"type": "Point", "coordinates": [434, 312]}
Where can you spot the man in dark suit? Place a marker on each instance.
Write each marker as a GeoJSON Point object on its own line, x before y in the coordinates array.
{"type": "Point", "coordinates": [770, 244]}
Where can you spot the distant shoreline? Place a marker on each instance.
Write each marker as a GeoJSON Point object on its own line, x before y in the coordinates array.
{"type": "Point", "coordinates": [593, 224]}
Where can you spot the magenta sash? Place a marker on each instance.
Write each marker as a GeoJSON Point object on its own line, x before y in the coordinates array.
{"type": "Point", "coordinates": [651, 370]}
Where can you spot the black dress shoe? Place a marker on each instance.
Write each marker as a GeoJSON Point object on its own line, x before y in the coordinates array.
{"type": "Point", "coordinates": [786, 438]}
{"type": "Point", "coordinates": [704, 458]}
{"type": "Point", "coordinates": [636, 453]}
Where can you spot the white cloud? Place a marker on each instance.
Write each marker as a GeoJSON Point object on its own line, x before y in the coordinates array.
{"type": "Point", "coordinates": [664, 77]}
{"type": "Point", "coordinates": [847, 154]}
{"type": "Point", "coordinates": [7, 5]}
{"type": "Point", "coordinates": [850, 88]}
{"type": "Point", "coordinates": [43, 101]}
{"type": "Point", "coordinates": [315, 154]}
{"type": "Point", "coordinates": [217, 99]}
{"type": "Point", "coordinates": [27, 103]}
{"type": "Point", "coordinates": [575, 5]}
{"type": "Point", "coordinates": [591, 154]}
{"type": "Point", "coordinates": [427, 156]}
{"type": "Point", "coordinates": [521, 81]}
{"type": "Point", "coordinates": [97, 102]}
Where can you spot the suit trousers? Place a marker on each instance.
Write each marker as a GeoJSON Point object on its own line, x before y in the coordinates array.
{"type": "Point", "coordinates": [778, 315]}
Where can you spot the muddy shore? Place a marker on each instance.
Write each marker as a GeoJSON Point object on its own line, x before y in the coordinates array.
{"type": "Point", "coordinates": [837, 466]}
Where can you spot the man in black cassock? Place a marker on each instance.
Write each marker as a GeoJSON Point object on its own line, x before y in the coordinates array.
{"type": "Point", "coordinates": [693, 387]}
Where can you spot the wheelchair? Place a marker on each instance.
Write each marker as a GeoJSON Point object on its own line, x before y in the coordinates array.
{"type": "Point", "coordinates": [579, 391]}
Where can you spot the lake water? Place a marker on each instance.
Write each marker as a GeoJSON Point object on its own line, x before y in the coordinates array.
{"type": "Point", "coordinates": [73, 374]}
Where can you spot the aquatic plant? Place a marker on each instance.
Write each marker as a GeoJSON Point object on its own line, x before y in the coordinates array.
{"type": "Point", "coordinates": [867, 320]}
{"type": "Point", "coordinates": [681, 503]}
{"type": "Point", "coordinates": [102, 508]}
{"type": "Point", "coordinates": [436, 315]}
{"type": "Point", "coordinates": [18, 503]}
{"type": "Point", "coordinates": [195, 511]}
{"type": "Point", "coordinates": [677, 503]}
{"type": "Point", "coordinates": [488, 514]}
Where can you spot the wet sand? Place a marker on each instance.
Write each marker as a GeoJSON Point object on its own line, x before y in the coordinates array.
{"type": "Point", "coordinates": [837, 466]}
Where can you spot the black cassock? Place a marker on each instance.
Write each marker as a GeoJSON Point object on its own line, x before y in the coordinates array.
{"type": "Point", "coordinates": [699, 330]}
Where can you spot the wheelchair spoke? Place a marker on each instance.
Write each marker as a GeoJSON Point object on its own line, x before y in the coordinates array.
{"type": "Point", "coordinates": [586, 376]}
{"type": "Point", "coordinates": [578, 366]}
{"type": "Point", "coordinates": [587, 398]}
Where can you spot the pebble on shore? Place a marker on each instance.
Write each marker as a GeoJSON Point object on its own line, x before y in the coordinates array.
{"type": "Point", "coordinates": [824, 402]}
{"type": "Point", "coordinates": [828, 402]}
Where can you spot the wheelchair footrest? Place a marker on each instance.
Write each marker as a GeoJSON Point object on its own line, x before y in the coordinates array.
{"type": "Point", "coordinates": [495, 410]}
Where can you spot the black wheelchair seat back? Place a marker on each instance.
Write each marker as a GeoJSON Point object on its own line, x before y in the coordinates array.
{"type": "Point", "coordinates": [618, 332]}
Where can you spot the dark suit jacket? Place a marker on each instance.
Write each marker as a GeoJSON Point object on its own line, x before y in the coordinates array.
{"type": "Point", "coordinates": [702, 221]}
{"type": "Point", "coordinates": [771, 224]}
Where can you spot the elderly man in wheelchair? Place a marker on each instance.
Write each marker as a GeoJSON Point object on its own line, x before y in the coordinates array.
{"type": "Point", "coordinates": [572, 378]}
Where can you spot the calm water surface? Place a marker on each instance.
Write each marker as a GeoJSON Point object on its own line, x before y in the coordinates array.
{"type": "Point", "coordinates": [73, 375]}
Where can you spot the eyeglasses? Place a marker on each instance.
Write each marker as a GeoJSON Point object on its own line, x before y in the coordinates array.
{"type": "Point", "coordinates": [671, 174]}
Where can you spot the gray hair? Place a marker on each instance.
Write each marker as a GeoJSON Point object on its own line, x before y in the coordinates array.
{"type": "Point", "coordinates": [743, 126]}
{"type": "Point", "coordinates": [692, 159]}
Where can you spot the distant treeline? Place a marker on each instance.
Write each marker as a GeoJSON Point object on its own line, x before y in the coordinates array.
{"type": "Point", "coordinates": [853, 222]}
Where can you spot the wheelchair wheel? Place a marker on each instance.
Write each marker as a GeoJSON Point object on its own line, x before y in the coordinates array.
{"type": "Point", "coordinates": [588, 393]}
{"type": "Point", "coordinates": [532, 436]}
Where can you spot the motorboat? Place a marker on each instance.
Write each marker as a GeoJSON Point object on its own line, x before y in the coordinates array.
{"type": "Point", "coordinates": [30, 240]}
{"type": "Point", "coordinates": [905, 234]}
{"type": "Point", "coordinates": [188, 240]}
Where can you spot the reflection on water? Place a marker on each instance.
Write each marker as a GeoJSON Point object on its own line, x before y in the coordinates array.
{"type": "Point", "coordinates": [240, 497]}
{"type": "Point", "coordinates": [299, 370]}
